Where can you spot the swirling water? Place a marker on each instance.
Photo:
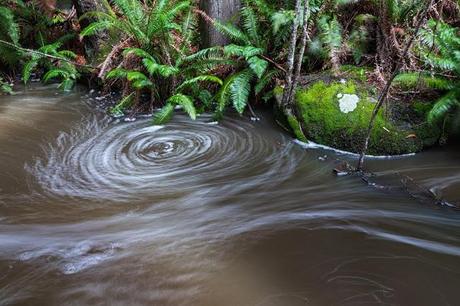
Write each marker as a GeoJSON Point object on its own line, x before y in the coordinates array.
{"type": "Point", "coordinates": [197, 213]}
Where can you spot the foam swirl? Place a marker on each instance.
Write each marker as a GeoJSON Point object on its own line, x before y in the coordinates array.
{"type": "Point", "coordinates": [135, 160]}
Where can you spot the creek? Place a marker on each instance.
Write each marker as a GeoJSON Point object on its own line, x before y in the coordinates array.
{"type": "Point", "coordinates": [95, 211]}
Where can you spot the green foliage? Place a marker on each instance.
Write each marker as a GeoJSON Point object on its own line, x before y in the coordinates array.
{"type": "Point", "coordinates": [59, 66]}
{"type": "Point", "coordinates": [439, 45]}
{"type": "Point", "coordinates": [164, 115]}
{"type": "Point", "coordinates": [9, 31]}
{"type": "Point", "coordinates": [5, 87]}
{"type": "Point", "coordinates": [185, 102]}
{"type": "Point", "coordinates": [360, 38]}
{"type": "Point", "coordinates": [163, 35]}
{"type": "Point", "coordinates": [119, 109]}
{"type": "Point", "coordinates": [252, 46]}
{"type": "Point", "coordinates": [400, 11]}
{"type": "Point", "coordinates": [330, 37]}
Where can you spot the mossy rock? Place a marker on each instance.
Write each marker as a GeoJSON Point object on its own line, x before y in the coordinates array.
{"type": "Point", "coordinates": [337, 114]}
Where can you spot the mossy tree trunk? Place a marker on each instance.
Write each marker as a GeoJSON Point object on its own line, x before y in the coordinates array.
{"type": "Point", "coordinates": [220, 10]}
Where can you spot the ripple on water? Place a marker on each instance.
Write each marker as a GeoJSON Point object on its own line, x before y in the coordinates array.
{"type": "Point", "coordinates": [132, 161]}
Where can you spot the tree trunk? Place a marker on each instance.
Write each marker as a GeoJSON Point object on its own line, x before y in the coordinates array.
{"type": "Point", "coordinates": [222, 11]}
{"type": "Point", "coordinates": [92, 43]}
{"type": "Point", "coordinates": [291, 55]}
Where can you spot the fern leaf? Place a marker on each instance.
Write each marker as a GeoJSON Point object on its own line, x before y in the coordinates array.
{"type": "Point", "coordinates": [138, 52]}
{"type": "Point", "coordinates": [201, 78]}
{"type": "Point", "coordinates": [163, 70]}
{"type": "Point", "coordinates": [135, 76]}
{"type": "Point", "coordinates": [55, 73]}
{"type": "Point", "coordinates": [117, 73]}
{"type": "Point", "coordinates": [258, 65]}
{"type": "Point", "coordinates": [139, 84]}
{"type": "Point", "coordinates": [240, 89]}
{"type": "Point", "coordinates": [28, 69]}
{"type": "Point", "coordinates": [185, 102]}
{"type": "Point", "coordinates": [96, 27]}
{"type": "Point", "coordinates": [251, 24]}
{"type": "Point", "coordinates": [118, 110]}
{"type": "Point", "coordinates": [164, 114]}
{"type": "Point", "coordinates": [232, 32]}
{"type": "Point", "coordinates": [8, 25]}
{"type": "Point", "coordinates": [67, 85]}
{"type": "Point", "coordinates": [281, 19]}
{"type": "Point", "coordinates": [265, 80]}
{"type": "Point", "coordinates": [444, 105]}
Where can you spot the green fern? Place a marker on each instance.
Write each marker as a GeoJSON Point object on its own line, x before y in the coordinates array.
{"type": "Point", "coordinates": [164, 115]}
{"type": "Point", "coordinates": [62, 70]}
{"type": "Point", "coordinates": [9, 31]}
{"type": "Point", "coordinates": [185, 102]}
{"type": "Point", "coordinates": [240, 90]}
{"type": "Point", "coordinates": [5, 87]}
{"type": "Point", "coordinates": [439, 45]}
{"type": "Point", "coordinates": [119, 109]}
{"type": "Point", "coordinates": [410, 80]}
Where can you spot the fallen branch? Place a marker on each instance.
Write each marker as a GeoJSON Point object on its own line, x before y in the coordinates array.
{"type": "Point", "coordinates": [31, 51]}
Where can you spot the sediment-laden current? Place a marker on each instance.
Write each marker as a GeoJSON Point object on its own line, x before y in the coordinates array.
{"type": "Point", "coordinates": [95, 211]}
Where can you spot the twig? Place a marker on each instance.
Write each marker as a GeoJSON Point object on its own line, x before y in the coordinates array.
{"type": "Point", "coordinates": [44, 54]}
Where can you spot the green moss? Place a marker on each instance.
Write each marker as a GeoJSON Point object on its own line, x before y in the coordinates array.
{"type": "Point", "coordinates": [355, 72]}
{"type": "Point", "coordinates": [328, 125]}
{"type": "Point", "coordinates": [278, 90]}
{"type": "Point", "coordinates": [421, 109]}
{"type": "Point", "coordinates": [295, 125]}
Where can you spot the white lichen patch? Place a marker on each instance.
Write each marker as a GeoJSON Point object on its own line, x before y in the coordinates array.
{"type": "Point", "coordinates": [347, 102]}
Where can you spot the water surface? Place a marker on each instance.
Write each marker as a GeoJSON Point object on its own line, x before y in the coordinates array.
{"type": "Point", "coordinates": [94, 211]}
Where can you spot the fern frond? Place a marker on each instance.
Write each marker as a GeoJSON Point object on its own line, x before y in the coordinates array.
{"type": "Point", "coordinates": [232, 32]}
{"type": "Point", "coordinates": [138, 52]}
{"type": "Point", "coordinates": [28, 69]}
{"type": "Point", "coordinates": [164, 114]}
{"type": "Point", "coordinates": [117, 73]}
{"type": "Point", "coordinates": [251, 25]}
{"type": "Point", "coordinates": [201, 78]}
{"type": "Point", "coordinates": [135, 76]}
{"type": "Point", "coordinates": [240, 89]}
{"type": "Point", "coordinates": [142, 83]}
{"type": "Point", "coordinates": [244, 51]}
{"type": "Point", "coordinates": [281, 19]}
{"type": "Point", "coordinates": [258, 65]}
{"type": "Point", "coordinates": [185, 102]}
{"type": "Point", "coordinates": [118, 110]}
{"type": "Point", "coordinates": [96, 27]}
{"type": "Point", "coordinates": [163, 70]}
{"type": "Point", "coordinates": [67, 84]}
{"type": "Point", "coordinates": [8, 25]}
{"type": "Point", "coordinates": [55, 73]}
{"type": "Point", "coordinates": [266, 80]}
{"type": "Point", "coordinates": [444, 105]}
{"type": "Point", "coordinates": [410, 80]}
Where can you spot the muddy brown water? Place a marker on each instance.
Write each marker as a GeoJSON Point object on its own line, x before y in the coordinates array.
{"type": "Point", "coordinates": [95, 212]}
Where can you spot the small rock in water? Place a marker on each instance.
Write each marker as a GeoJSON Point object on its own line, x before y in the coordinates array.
{"type": "Point", "coordinates": [322, 158]}
{"type": "Point", "coordinates": [129, 119]}
{"type": "Point", "coordinates": [343, 169]}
